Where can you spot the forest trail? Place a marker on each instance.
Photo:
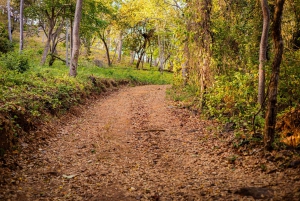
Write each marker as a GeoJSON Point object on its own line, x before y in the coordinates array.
{"type": "Point", "coordinates": [136, 145]}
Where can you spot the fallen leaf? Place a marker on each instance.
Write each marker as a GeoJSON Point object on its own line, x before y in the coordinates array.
{"type": "Point", "coordinates": [69, 176]}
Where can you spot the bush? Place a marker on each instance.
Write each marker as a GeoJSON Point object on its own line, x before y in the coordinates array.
{"type": "Point", "coordinates": [232, 99]}
{"type": "Point", "coordinates": [15, 61]}
{"type": "Point", "coordinates": [5, 45]}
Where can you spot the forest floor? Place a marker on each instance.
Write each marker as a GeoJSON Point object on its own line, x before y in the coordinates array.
{"type": "Point", "coordinates": [136, 145]}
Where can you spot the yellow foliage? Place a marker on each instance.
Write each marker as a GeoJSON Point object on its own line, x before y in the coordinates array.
{"type": "Point", "coordinates": [288, 125]}
{"type": "Point", "coordinates": [293, 140]}
{"type": "Point", "coordinates": [135, 11]}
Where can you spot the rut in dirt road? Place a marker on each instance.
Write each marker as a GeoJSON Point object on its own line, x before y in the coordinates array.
{"type": "Point", "coordinates": [135, 145]}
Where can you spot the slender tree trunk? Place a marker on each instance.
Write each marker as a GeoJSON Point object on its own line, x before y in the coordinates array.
{"type": "Point", "coordinates": [142, 50]}
{"type": "Point", "coordinates": [21, 25]}
{"type": "Point", "coordinates": [48, 45]}
{"type": "Point", "coordinates": [139, 59]}
{"type": "Point", "coordinates": [107, 51]}
{"type": "Point", "coordinates": [263, 51]}
{"type": "Point", "coordinates": [151, 59]}
{"type": "Point", "coordinates": [120, 44]}
{"type": "Point", "coordinates": [71, 40]}
{"type": "Point", "coordinates": [132, 56]}
{"type": "Point", "coordinates": [156, 61]}
{"type": "Point", "coordinates": [76, 39]}
{"type": "Point", "coordinates": [272, 101]}
{"type": "Point", "coordinates": [54, 40]}
{"type": "Point", "coordinates": [186, 64]}
{"type": "Point", "coordinates": [161, 54]}
{"type": "Point", "coordinates": [67, 44]}
{"type": "Point", "coordinates": [108, 41]}
{"type": "Point", "coordinates": [46, 50]}
{"type": "Point", "coordinates": [143, 61]}
{"type": "Point", "coordinates": [9, 21]}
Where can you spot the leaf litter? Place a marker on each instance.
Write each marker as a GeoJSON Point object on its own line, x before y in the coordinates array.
{"type": "Point", "coordinates": [136, 145]}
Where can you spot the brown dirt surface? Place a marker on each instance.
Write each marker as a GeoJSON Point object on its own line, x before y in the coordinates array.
{"type": "Point", "coordinates": [136, 145]}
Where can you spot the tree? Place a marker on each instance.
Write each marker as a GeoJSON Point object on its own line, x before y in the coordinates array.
{"type": "Point", "coordinates": [145, 27]}
{"type": "Point", "coordinates": [205, 42]}
{"type": "Point", "coordinates": [21, 25]}
{"type": "Point", "coordinates": [120, 45]}
{"type": "Point", "coordinates": [51, 15]}
{"type": "Point", "coordinates": [9, 20]}
{"type": "Point", "coordinates": [67, 44]}
{"type": "Point", "coordinates": [146, 37]}
{"type": "Point", "coordinates": [96, 17]}
{"type": "Point", "coordinates": [76, 39]}
{"type": "Point", "coordinates": [273, 91]}
{"type": "Point", "coordinates": [263, 51]}
{"type": "Point", "coordinates": [103, 35]}
{"type": "Point", "coordinates": [198, 51]}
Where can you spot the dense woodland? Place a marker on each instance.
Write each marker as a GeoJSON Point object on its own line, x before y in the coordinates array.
{"type": "Point", "coordinates": [235, 61]}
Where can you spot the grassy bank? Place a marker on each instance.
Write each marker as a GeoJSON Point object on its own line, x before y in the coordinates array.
{"type": "Point", "coordinates": [27, 99]}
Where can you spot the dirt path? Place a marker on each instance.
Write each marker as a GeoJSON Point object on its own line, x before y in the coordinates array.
{"type": "Point", "coordinates": [134, 145]}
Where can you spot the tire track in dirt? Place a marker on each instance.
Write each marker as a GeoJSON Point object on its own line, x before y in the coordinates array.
{"type": "Point", "coordinates": [134, 145]}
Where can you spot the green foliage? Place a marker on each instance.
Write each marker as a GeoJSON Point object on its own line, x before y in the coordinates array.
{"type": "Point", "coordinates": [185, 96]}
{"type": "Point", "coordinates": [5, 44]}
{"type": "Point", "coordinates": [233, 99]}
{"type": "Point", "coordinates": [95, 18]}
{"type": "Point", "coordinates": [236, 32]}
{"type": "Point", "coordinates": [231, 49]}
{"type": "Point", "coordinates": [15, 61]}
{"type": "Point", "coordinates": [146, 76]}
{"type": "Point", "coordinates": [289, 93]}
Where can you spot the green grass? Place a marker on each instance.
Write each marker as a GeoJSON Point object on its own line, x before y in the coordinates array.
{"type": "Point", "coordinates": [140, 76]}
{"type": "Point", "coordinates": [29, 98]}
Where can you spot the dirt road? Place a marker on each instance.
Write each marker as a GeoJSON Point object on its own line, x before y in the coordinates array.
{"type": "Point", "coordinates": [136, 145]}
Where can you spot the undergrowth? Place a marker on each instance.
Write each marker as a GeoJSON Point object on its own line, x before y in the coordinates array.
{"type": "Point", "coordinates": [232, 101]}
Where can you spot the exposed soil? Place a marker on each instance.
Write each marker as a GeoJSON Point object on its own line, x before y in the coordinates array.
{"type": "Point", "coordinates": [136, 145]}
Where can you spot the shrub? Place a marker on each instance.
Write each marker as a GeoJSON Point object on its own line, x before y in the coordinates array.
{"type": "Point", "coordinates": [15, 61]}
{"type": "Point", "coordinates": [233, 99]}
{"type": "Point", "coordinates": [5, 45]}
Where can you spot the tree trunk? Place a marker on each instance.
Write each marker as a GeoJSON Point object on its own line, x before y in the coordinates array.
{"type": "Point", "coordinates": [76, 39]}
{"type": "Point", "coordinates": [143, 61]}
{"type": "Point", "coordinates": [9, 21]}
{"type": "Point", "coordinates": [156, 61]}
{"type": "Point", "coordinates": [47, 45]}
{"type": "Point", "coordinates": [272, 101]}
{"type": "Point", "coordinates": [120, 44]}
{"type": "Point", "coordinates": [46, 50]}
{"type": "Point", "coordinates": [108, 41]}
{"type": "Point", "coordinates": [132, 56]}
{"type": "Point", "coordinates": [21, 25]}
{"type": "Point", "coordinates": [186, 64]}
{"type": "Point", "coordinates": [161, 54]}
{"type": "Point", "coordinates": [71, 40]}
{"type": "Point", "coordinates": [142, 50]}
{"type": "Point", "coordinates": [139, 59]}
{"type": "Point", "coordinates": [107, 51]}
{"type": "Point", "coordinates": [205, 49]}
{"type": "Point", "coordinates": [151, 59]}
{"type": "Point", "coordinates": [263, 51]}
{"type": "Point", "coordinates": [55, 40]}
{"type": "Point", "coordinates": [67, 44]}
